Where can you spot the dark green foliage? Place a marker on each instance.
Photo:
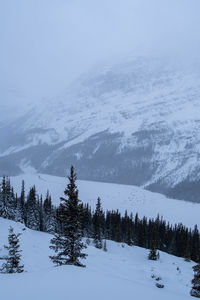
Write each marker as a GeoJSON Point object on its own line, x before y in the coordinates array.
{"type": "Point", "coordinates": [195, 291]}
{"type": "Point", "coordinates": [12, 264]}
{"type": "Point", "coordinates": [154, 234]}
{"type": "Point", "coordinates": [154, 240]}
{"type": "Point", "coordinates": [67, 242]}
{"type": "Point", "coordinates": [98, 225]}
{"type": "Point", "coordinates": [7, 200]}
{"type": "Point", "coordinates": [48, 215]}
{"type": "Point", "coordinates": [32, 210]}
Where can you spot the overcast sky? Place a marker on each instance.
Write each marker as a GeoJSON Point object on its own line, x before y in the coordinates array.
{"type": "Point", "coordinates": [45, 44]}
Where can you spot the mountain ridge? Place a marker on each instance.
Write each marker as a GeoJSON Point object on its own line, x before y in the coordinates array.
{"type": "Point", "coordinates": [139, 116]}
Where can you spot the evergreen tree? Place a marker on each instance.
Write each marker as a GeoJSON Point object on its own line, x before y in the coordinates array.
{"type": "Point", "coordinates": [41, 214]}
{"type": "Point", "coordinates": [19, 214]}
{"type": "Point", "coordinates": [32, 210]}
{"type": "Point", "coordinates": [7, 200]}
{"type": "Point", "coordinates": [3, 196]}
{"type": "Point", "coordinates": [195, 251]}
{"type": "Point", "coordinates": [154, 254]}
{"type": "Point", "coordinates": [48, 215]}
{"type": "Point", "coordinates": [87, 224]}
{"type": "Point", "coordinates": [12, 264]}
{"type": "Point", "coordinates": [187, 249]}
{"type": "Point", "coordinates": [67, 243]}
{"type": "Point", "coordinates": [22, 202]}
{"type": "Point", "coordinates": [98, 220]}
{"type": "Point", "coordinates": [195, 291]}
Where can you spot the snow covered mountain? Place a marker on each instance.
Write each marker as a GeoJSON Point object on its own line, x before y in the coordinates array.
{"type": "Point", "coordinates": [133, 122]}
{"type": "Point", "coordinates": [122, 271]}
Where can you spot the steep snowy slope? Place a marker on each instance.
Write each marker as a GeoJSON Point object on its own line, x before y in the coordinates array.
{"type": "Point", "coordinates": [116, 196]}
{"type": "Point", "coordinates": [133, 122]}
{"type": "Point", "coordinates": [122, 272]}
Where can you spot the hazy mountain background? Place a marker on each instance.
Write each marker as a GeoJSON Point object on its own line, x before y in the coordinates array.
{"type": "Point", "coordinates": [109, 86]}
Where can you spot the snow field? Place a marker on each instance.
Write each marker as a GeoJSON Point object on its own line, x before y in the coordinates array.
{"type": "Point", "coordinates": [122, 272]}
{"type": "Point", "coordinates": [115, 196]}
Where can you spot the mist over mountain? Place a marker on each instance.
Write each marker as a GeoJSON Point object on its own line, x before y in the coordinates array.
{"type": "Point", "coordinates": [134, 122]}
{"type": "Point", "coordinates": [46, 45]}
{"type": "Point", "coordinates": [110, 87]}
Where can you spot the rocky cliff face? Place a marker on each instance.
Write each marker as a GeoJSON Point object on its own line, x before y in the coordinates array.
{"type": "Point", "coordinates": [134, 122]}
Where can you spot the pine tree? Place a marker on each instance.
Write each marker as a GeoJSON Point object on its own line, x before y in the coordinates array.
{"type": "Point", "coordinates": [98, 225]}
{"type": "Point", "coordinates": [41, 214]}
{"type": "Point", "coordinates": [32, 210]}
{"type": "Point", "coordinates": [187, 250]}
{"type": "Point", "coordinates": [195, 244]}
{"type": "Point", "coordinates": [12, 264]}
{"type": "Point", "coordinates": [19, 215]}
{"type": "Point", "coordinates": [3, 196]}
{"type": "Point", "coordinates": [67, 243]}
{"type": "Point", "coordinates": [154, 254]}
{"type": "Point", "coordinates": [7, 200]}
{"type": "Point", "coordinates": [195, 291]}
{"type": "Point", "coordinates": [48, 215]}
{"type": "Point", "coordinates": [22, 202]}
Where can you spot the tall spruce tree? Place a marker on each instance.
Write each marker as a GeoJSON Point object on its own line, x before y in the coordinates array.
{"type": "Point", "coordinates": [48, 215]}
{"type": "Point", "coordinates": [67, 243]}
{"type": "Point", "coordinates": [3, 196]}
{"type": "Point", "coordinates": [32, 210]}
{"type": "Point", "coordinates": [7, 200]}
{"type": "Point", "coordinates": [22, 202]}
{"type": "Point", "coordinates": [98, 221]}
{"type": "Point", "coordinates": [195, 291]}
{"type": "Point", "coordinates": [12, 264]}
{"type": "Point", "coordinates": [20, 206]}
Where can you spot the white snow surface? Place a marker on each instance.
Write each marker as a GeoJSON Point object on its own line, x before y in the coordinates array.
{"type": "Point", "coordinates": [115, 196]}
{"type": "Point", "coordinates": [123, 272]}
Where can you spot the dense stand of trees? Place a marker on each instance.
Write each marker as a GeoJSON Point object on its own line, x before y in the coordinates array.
{"type": "Point", "coordinates": [32, 210]}
{"type": "Point", "coordinates": [155, 234]}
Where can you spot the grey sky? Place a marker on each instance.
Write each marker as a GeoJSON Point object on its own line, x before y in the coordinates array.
{"type": "Point", "coordinates": [45, 44]}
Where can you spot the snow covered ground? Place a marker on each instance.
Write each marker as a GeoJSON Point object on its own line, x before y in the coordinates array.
{"type": "Point", "coordinates": [116, 196]}
{"type": "Point", "coordinates": [123, 272]}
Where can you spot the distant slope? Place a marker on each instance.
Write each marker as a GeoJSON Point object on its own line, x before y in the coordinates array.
{"type": "Point", "coordinates": [134, 121]}
{"type": "Point", "coordinates": [121, 273]}
{"type": "Point", "coordinates": [116, 196]}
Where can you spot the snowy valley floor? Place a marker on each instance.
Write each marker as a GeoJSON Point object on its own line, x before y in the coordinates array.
{"type": "Point", "coordinates": [122, 272]}
{"type": "Point", "coordinates": [115, 196]}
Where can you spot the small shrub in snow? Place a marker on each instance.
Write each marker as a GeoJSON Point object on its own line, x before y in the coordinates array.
{"type": "Point", "coordinates": [153, 255]}
{"type": "Point", "coordinates": [105, 246]}
{"type": "Point", "coordinates": [159, 285]}
{"type": "Point", "coordinates": [158, 278]}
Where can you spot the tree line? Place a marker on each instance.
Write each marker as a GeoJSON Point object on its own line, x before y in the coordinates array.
{"type": "Point", "coordinates": [72, 221]}
{"type": "Point", "coordinates": [154, 234]}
